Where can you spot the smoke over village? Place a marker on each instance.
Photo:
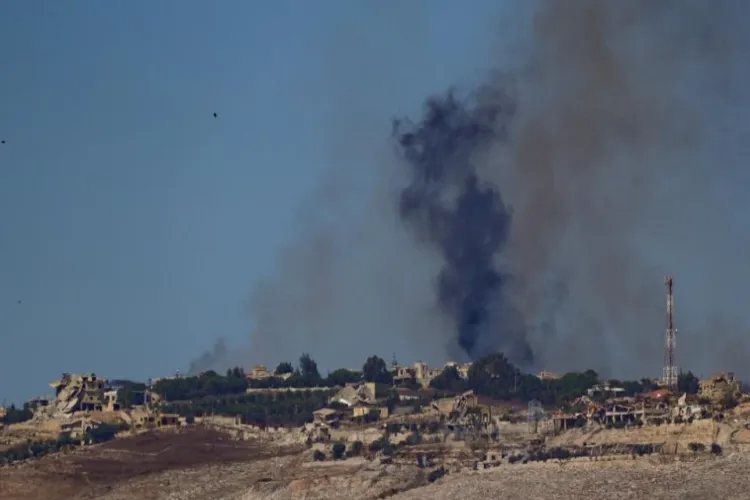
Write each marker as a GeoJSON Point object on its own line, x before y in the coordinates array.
{"type": "Point", "coordinates": [537, 212]}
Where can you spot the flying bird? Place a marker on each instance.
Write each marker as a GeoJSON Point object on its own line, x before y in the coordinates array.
{"type": "Point", "coordinates": [3, 141]}
{"type": "Point", "coordinates": [215, 116]}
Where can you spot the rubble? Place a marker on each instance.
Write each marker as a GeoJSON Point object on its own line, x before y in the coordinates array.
{"type": "Point", "coordinates": [77, 393]}
{"type": "Point", "coordinates": [355, 394]}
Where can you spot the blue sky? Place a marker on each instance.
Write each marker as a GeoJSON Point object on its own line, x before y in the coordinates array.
{"type": "Point", "coordinates": [133, 223]}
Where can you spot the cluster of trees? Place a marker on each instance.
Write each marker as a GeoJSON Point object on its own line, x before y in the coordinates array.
{"type": "Point", "coordinates": [492, 376]}
{"type": "Point", "coordinates": [17, 415]}
{"type": "Point", "coordinates": [206, 384]}
{"type": "Point", "coordinates": [307, 375]}
{"type": "Point", "coordinates": [279, 408]}
{"type": "Point", "coordinates": [496, 377]}
{"type": "Point", "coordinates": [131, 394]}
{"type": "Point", "coordinates": [235, 381]}
{"type": "Point", "coordinates": [35, 449]}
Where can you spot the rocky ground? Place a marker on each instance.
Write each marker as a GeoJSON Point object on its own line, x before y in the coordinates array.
{"type": "Point", "coordinates": [204, 464]}
{"type": "Point", "coordinates": [724, 477]}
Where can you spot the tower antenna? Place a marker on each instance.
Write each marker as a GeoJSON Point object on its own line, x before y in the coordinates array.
{"type": "Point", "coordinates": [670, 368]}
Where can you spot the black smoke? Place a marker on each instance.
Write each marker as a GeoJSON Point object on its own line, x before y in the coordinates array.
{"type": "Point", "coordinates": [452, 210]}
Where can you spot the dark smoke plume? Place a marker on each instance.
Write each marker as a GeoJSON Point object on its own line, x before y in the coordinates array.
{"type": "Point", "coordinates": [464, 219]}
{"type": "Point", "coordinates": [214, 359]}
{"type": "Point", "coordinates": [616, 131]}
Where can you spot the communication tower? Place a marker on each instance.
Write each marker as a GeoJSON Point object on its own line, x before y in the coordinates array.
{"type": "Point", "coordinates": [670, 374]}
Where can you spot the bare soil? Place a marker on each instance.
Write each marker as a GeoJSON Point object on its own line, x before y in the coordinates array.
{"type": "Point", "coordinates": [88, 473]}
{"type": "Point", "coordinates": [204, 464]}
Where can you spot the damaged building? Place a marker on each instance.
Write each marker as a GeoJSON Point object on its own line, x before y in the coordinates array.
{"type": "Point", "coordinates": [720, 386]}
{"type": "Point", "coordinates": [422, 374]}
{"type": "Point", "coordinates": [356, 394]}
{"type": "Point", "coordinates": [78, 393]}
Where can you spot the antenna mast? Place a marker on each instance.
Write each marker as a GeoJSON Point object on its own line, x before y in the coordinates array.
{"type": "Point", "coordinates": [670, 369]}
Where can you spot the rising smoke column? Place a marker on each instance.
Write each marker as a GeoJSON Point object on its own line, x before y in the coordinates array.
{"type": "Point", "coordinates": [625, 160]}
{"type": "Point", "coordinates": [464, 219]}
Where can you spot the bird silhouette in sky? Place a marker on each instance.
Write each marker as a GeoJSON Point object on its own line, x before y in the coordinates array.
{"type": "Point", "coordinates": [215, 116]}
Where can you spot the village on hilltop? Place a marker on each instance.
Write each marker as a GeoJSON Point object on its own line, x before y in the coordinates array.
{"type": "Point", "coordinates": [387, 406]}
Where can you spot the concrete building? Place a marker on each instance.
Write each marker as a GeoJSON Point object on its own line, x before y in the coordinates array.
{"type": "Point", "coordinates": [719, 386]}
{"type": "Point", "coordinates": [326, 416]}
{"type": "Point", "coordinates": [110, 401]}
{"type": "Point", "coordinates": [545, 375]}
{"type": "Point", "coordinates": [356, 394]}
{"type": "Point", "coordinates": [78, 427]}
{"type": "Point", "coordinates": [361, 411]}
{"type": "Point", "coordinates": [605, 390]}
{"type": "Point", "coordinates": [259, 372]}
{"type": "Point", "coordinates": [78, 393]}
{"type": "Point", "coordinates": [423, 374]}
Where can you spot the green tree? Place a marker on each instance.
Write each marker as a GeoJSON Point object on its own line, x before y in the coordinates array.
{"type": "Point", "coordinates": [15, 415]}
{"type": "Point", "coordinates": [236, 372]}
{"type": "Point", "coordinates": [449, 380]}
{"type": "Point", "coordinates": [688, 383]}
{"type": "Point", "coordinates": [342, 376]}
{"type": "Point", "coordinates": [376, 370]}
{"type": "Point", "coordinates": [102, 433]}
{"type": "Point", "coordinates": [338, 450]}
{"type": "Point", "coordinates": [308, 371]}
{"type": "Point", "coordinates": [356, 448]}
{"type": "Point", "coordinates": [494, 376]}
{"type": "Point", "coordinates": [284, 368]}
{"type": "Point", "coordinates": [131, 394]}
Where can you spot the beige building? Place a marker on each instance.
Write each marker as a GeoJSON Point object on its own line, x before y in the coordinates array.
{"type": "Point", "coordinates": [362, 411]}
{"type": "Point", "coordinates": [719, 386]}
{"type": "Point", "coordinates": [423, 374]}
{"type": "Point", "coordinates": [356, 394]}
{"type": "Point", "coordinates": [78, 427]}
{"type": "Point", "coordinates": [545, 375]}
{"type": "Point", "coordinates": [259, 372]}
{"type": "Point", "coordinates": [79, 393]}
{"type": "Point", "coordinates": [110, 401]}
{"type": "Point", "coordinates": [326, 416]}
{"type": "Point", "coordinates": [462, 369]}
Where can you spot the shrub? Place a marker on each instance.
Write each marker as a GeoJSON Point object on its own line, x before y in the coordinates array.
{"type": "Point", "coordinates": [435, 474]}
{"type": "Point", "coordinates": [413, 439]}
{"type": "Point", "coordinates": [356, 448]}
{"type": "Point", "coordinates": [559, 453]}
{"type": "Point", "coordinates": [378, 445]}
{"type": "Point", "coordinates": [696, 447]}
{"type": "Point", "coordinates": [101, 434]}
{"type": "Point", "coordinates": [716, 449]}
{"type": "Point", "coordinates": [319, 456]}
{"type": "Point", "coordinates": [338, 450]}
